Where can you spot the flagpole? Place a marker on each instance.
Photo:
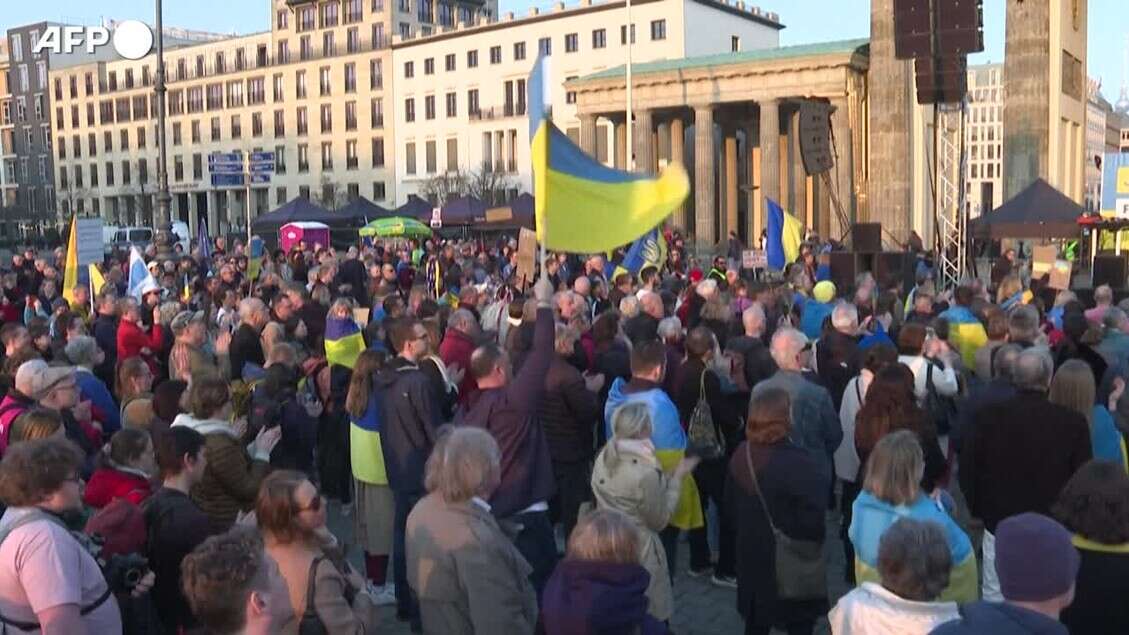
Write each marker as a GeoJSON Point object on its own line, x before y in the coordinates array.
{"type": "Point", "coordinates": [629, 158]}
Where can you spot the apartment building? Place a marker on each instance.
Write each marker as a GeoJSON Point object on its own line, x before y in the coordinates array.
{"type": "Point", "coordinates": [460, 94]}
{"type": "Point", "coordinates": [8, 184]}
{"type": "Point", "coordinates": [313, 89]}
{"type": "Point", "coordinates": [984, 138]}
{"type": "Point", "coordinates": [1097, 110]}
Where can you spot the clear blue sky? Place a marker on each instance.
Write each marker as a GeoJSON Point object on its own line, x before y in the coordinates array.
{"type": "Point", "coordinates": [806, 21]}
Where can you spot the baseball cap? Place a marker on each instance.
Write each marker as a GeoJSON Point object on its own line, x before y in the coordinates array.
{"type": "Point", "coordinates": [35, 378]}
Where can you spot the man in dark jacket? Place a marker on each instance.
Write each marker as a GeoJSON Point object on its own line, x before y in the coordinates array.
{"type": "Point", "coordinates": [568, 411]}
{"type": "Point", "coordinates": [105, 331]}
{"type": "Point", "coordinates": [644, 326]}
{"type": "Point", "coordinates": [758, 364]}
{"type": "Point", "coordinates": [1019, 454]}
{"type": "Point", "coordinates": [507, 408]}
{"type": "Point", "coordinates": [837, 351]}
{"type": "Point", "coordinates": [312, 315]}
{"type": "Point", "coordinates": [411, 418]}
{"type": "Point", "coordinates": [175, 524]}
{"type": "Point", "coordinates": [246, 345]}
{"type": "Point", "coordinates": [1037, 566]}
{"type": "Point", "coordinates": [1001, 388]}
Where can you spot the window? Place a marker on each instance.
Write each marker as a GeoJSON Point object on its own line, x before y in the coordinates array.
{"type": "Point", "coordinates": [409, 70]}
{"type": "Point", "coordinates": [409, 109]}
{"type": "Point", "coordinates": [279, 124]}
{"type": "Point", "coordinates": [378, 191]}
{"type": "Point", "coordinates": [449, 62]}
{"type": "Point", "coordinates": [305, 48]}
{"type": "Point", "coordinates": [88, 89]}
{"type": "Point", "coordinates": [353, 11]}
{"type": "Point", "coordinates": [63, 148]}
{"type": "Point", "coordinates": [350, 115]}
{"type": "Point", "coordinates": [300, 84]}
{"type": "Point", "coordinates": [128, 78]}
{"type": "Point", "coordinates": [519, 50]}
{"type": "Point", "coordinates": [17, 47]}
{"type": "Point", "coordinates": [197, 166]}
{"type": "Point", "coordinates": [351, 154]}
{"type": "Point", "coordinates": [409, 158]}
{"type": "Point", "coordinates": [350, 77]}
{"type": "Point", "coordinates": [472, 59]}
{"type": "Point", "coordinates": [327, 155]}
{"type": "Point", "coordinates": [234, 94]}
{"type": "Point", "coordinates": [142, 171]}
{"type": "Point", "coordinates": [352, 40]}
{"type": "Point", "coordinates": [278, 87]}
{"type": "Point", "coordinates": [570, 96]}
{"type": "Point", "coordinates": [109, 173]}
{"type": "Point", "coordinates": [121, 107]}
{"type": "Point", "coordinates": [126, 177]}
{"type": "Point", "coordinates": [283, 56]}
{"type": "Point", "coordinates": [429, 107]}
{"type": "Point", "coordinates": [376, 75]}
{"type": "Point", "coordinates": [324, 86]}
{"type": "Point", "coordinates": [599, 38]}
{"type": "Point", "coordinates": [429, 157]}
{"type": "Point", "coordinates": [91, 145]}
{"type": "Point", "coordinates": [280, 159]}
{"type": "Point", "coordinates": [405, 30]}
{"type": "Point", "coordinates": [25, 84]}
{"type": "Point", "coordinates": [377, 6]}
{"type": "Point", "coordinates": [328, 45]}
{"type": "Point", "coordinates": [59, 89]}
{"type": "Point", "coordinates": [424, 12]}
{"type": "Point", "coordinates": [378, 35]}
{"type": "Point", "coordinates": [283, 20]}
{"type": "Point", "coordinates": [177, 168]}
{"type": "Point", "coordinates": [215, 128]}
{"type": "Point", "coordinates": [303, 121]}
{"type": "Point", "coordinates": [377, 113]}
{"type": "Point", "coordinates": [41, 74]}
{"type": "Point", "coordinates": [623, 34]}
{"type": "Point", "coordinates": [303, 157]}
{"type": "Point", "coordinates": [140, 107]}
{"type": "Point", "coordinates": [545, 46]}
{"type": "Point", "coordinates": [452, 155]}
{"type": "Point", "coordinates": [236, 127]}
{"type": "Point", "coordinates": [429, 66]}
{"type": "Point", "coordinates": [378, 152]}
{"type": "Point", "coordinates": [572, 43]}
{"type": "Point", "coordinates": [219, 65]}
{"type": "Point", "coordinates": [329, 14]}
{"type": "Point", "coordinates": [195, 132]}
{"type": "Point", "coordinates": [452, 105]}
{"type": "Point", "coordinates": [734, 44]}
{"type": "Point", "coordinates": [195, 100]}
{"type": "Point", "coordinates": [326, 118]}
{"type": "Point", "coordinates": [256, 124]}
{"type": "Point", "coordinates": [256, 94]}
{"type": "Point", "coordinates": [495, 55]}
{"type": "Point", "coordinates": [472, 102]}
{"type": "Point", "coordinates": [446, 14]}
{"type": "Point", "coordinates": [93, 175]}
{"type": "Point", "coordinates": [140, 138]}
{"type": "Point", "coordinates": [177, 134]}
{"type": "Point", "coordinates": [658, 29]}
{"type": "Point", "coordinates": [215, 96]}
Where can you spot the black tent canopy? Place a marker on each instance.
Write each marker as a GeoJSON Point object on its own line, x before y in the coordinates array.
{"type": "Point", "coordinates": [1039, 211]}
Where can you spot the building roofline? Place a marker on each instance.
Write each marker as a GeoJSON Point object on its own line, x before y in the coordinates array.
{"type": "Point", "coordinates": [585, 7]}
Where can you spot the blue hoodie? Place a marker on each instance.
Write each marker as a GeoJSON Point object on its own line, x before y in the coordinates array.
{"type": "Point", "coordinates": [811, 321]}
{"type": "Point", "coordinates": [598, 598]}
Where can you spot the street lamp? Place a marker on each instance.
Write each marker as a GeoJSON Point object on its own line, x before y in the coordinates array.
{"type": "Point", "coordinates": [162, 221]}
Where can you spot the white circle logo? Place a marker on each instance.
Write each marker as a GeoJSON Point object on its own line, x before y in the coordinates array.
{"type": "Point", "coordinates": [132, 39]}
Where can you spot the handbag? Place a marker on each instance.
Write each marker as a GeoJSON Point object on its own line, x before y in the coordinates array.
{"type": "Point", "coordinates": [310, 623]}
{"type": "Point", "coordinates": [801, 572]}
{"type": "Point", "coordinates": [701, 431]}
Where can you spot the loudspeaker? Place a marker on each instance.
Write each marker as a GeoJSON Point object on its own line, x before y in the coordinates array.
{"type": "Point", "coordinates": [1111, 270]}
{"type": "Point", "coordinates": [815, 136]}
{"type": "Point", "coordinates": [866, 237]}
{"type": "Point", "coordinates": [913, 29]}
{"type": "Point", "coordinates": [959, 25]}
{"type": "Point", "coordinates": [894, 267]}
{"type": "Point", "coordinates": [941, 80]}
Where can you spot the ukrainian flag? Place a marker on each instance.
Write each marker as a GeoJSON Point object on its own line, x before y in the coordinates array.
{"type": "Point", "coordinates": [255, 262]}
{"type": "Point", "coordinates": [785, 233]}
{"type": "Point", "coordinates": [343, 341]}
{"type": "Point", "coordinates": [70, 269]}
{"type": "Point", "coordinates": [648, 250]}
{"type": "Point", "coordinates": [581, 205]}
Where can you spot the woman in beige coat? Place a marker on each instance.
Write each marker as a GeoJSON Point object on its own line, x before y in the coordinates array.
{"type": "Point", "coordinates": [628, 478]}
{"type": "Point", "coordinates": [469, 577]}
{"type": "Point", "coordinates": [291, 516]}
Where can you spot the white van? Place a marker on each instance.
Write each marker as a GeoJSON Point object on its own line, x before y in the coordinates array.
{"type": "Point", "coordinates": [141, 237]}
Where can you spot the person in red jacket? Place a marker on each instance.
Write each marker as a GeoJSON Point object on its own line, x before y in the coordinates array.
{"type": "Point", "coordinates": [456, 349]}
{"type": "Point", "coordinates": [135, 342]}
{"type": "Point", "coordinates": [126, 472]}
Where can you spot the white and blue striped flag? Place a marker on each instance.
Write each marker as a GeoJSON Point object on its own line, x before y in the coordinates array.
{"type": "Point", "coordinates": [140, 279]}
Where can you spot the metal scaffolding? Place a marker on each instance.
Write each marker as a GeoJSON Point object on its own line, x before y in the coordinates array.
{"type": "Point", "coordinates": [950, 213]}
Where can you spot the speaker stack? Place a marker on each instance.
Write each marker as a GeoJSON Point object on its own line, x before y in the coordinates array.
{"type": "Point", "coordinates": [889, 268]}
{"type": "Point", "coordinates": [938, 35]}
{"type": "Point", "coordinates": [1112, 270]}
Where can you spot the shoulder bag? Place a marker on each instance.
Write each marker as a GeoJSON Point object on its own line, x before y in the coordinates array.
{"type": "Point", "coordinates": [801, 572]}
{"type": "Point", "coordinates": [310, 623]}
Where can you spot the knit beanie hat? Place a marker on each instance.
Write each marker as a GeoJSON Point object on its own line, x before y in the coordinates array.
{"type": "Point", "coordinates": [1035, 559]}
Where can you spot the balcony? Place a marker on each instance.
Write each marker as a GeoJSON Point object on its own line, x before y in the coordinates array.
{"type": "Point", "coordinates": [497, 112]}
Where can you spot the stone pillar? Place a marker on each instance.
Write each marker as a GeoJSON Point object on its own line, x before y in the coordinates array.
{"type": "Point", "coordinates": [644, 140]}
{"type": "Point", "coordinates": [843, 172]}
{"type": "Point", "coordinates": [731, 183]}
{"type": "Point", "coordinates": [678, 155]}
{"type": "Point", "coordinates": [704, 168]}
{"type": "Point", "coordinates": [193, 215]}
{"type": "Point", "coordinates": [213, 203]}
{"type": "Point", "coordinates": [620, 144]}
{"type": "Point", "coordinates": [753, 216]}
{"type": "Point", "coordinates": [588, 133]}
{"type": "Point", "coordinates": [770, 152]}
{"type": "Point", "coordinates": [891, 99]}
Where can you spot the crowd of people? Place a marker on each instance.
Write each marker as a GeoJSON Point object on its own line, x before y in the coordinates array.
{"type": "Point", "coordinates": [521, 456]}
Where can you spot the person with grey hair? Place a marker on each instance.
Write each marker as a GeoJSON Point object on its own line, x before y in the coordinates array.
{"type": "Point", "coordinates": [914, 564]}
{"type": "Point", "coordinates": [1023, 325]}
{"type": "Point", "coordinates": [84, 353]}
{"type": "Point", "coordinates": [837, 351]}
{"type": "Point", "coordinates": [1103, 299]}
{"type": "Point", "coordinates": [1114, 347]}
{"type": "Point", "coordinates": [980, 395]}
{"type": "Point", "coordinates": [246, 344]}
{"type": "Point", "coordinates": [815, 421]}
{"type": "Point", "coordinates": [455, 350]}
{"type": "Point", "coordinates": [757, 364]}
{"type": "Point", "coordinates": [644, 325]}
{"type": "Point", "coordinates": [1019, 453]}
{"type": "Point", "coordinates": [467, 573]}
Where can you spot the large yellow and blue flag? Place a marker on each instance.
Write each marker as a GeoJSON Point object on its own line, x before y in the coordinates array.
{"type": "Point", "coordinates": [255, 262]}
{"type": "Point", "coordinates": [582, 206]}
{"type": "Point", "coordinates": [784, 235]}
{"type": "Point", "coordinates": [70, 269]}
{"type": "Point", "coordinates": [343, 341]}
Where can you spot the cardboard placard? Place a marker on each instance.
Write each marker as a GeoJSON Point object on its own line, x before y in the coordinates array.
{"type": "Point", "coordinates": [754, 259]}
{"type": "Point", "coordinates": [1060, 275]}
{"type": "Point", "coordinates": [526, 255]}
{"type": "Point", "coordinates": [360, 316]}
{"type": "Point", "coordinates": [1043, 260]}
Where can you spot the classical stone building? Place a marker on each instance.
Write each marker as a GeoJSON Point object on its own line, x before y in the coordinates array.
{"type": "Point", "coordinates": [732, 119]}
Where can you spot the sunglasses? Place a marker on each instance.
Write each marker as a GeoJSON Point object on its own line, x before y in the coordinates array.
{"type": "Point", "coordinates": [314, 506]}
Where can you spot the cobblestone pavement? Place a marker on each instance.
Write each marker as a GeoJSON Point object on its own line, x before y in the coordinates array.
{"type": "Point", "coordinates": [700, 607]}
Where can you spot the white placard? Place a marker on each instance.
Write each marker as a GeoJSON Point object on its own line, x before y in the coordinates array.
{"type": "Point", "coordinates": [89, 241]}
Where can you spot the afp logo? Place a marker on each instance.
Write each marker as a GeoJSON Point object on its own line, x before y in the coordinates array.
{"type": "Point", "coordinates": [131, 39]}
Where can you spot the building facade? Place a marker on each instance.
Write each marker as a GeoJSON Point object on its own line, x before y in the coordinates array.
{"type": "Point", "coordinates": [460, 95]}
{"type": "Point", "coordinates": [984, 138]}
{"type": "Point", "coordinates": [31, 129]}
{"type": "Point", "coordinates": [313, 89]}
{"type": "Point", "coordinates": [1097, 111]}
{"type": "Point", "coordinates": [8, 183]}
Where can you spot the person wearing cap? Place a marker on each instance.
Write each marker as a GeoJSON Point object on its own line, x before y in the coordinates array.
{"type": "Point", "coordinates": [1037, 566]}
{"type": "Point", "coordinates": [18, 399]}
{"type": "Point", "coordinates": [188, 356]}
{"type": "Point", "coordinates": [817, 309]}
{"type": "Point", "coordinates": [55, 388]}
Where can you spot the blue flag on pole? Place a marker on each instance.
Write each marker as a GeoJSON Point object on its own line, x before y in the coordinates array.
{"type": "Point", "coordinates": [140, 280]}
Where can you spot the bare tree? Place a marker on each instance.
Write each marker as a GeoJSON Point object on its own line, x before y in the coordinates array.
{"type": "Point", "coordinates": [441, 188]}
{"type": "Point", "coordinates": [331, 195]}
{"type": "Point", "coordinates": [488, 186]}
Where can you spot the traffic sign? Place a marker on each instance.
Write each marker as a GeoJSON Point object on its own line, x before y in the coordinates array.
{"type": "Point", "coordinates": [225, 168]}
{"type": "Point", "coordinates": [263, 177]}
{"type": "Point", "coordinates": [262, 156]}
{"type": "Point", "coordinates": [225, 157]}
{"type": "Point", "coordinates": [263, 167]}
{"type": "Point", "coordinates": [227, 180]}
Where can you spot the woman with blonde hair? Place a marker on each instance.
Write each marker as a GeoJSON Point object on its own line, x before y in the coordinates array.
{"type": "Point", "coordinates": [1010, 292]}
{"type": "Point", "coordinates": [600, 586]}
{"type": "Point", "coordinates": [36, 423]}
{"type": "Point", "coordinates": [1073, 386]}
{"type": "Point", "coordinates": [374, 502]}
{"type": "Point", "coordinates": [627, 477]}
{"type": "Point", "coordinates": [892, 490]}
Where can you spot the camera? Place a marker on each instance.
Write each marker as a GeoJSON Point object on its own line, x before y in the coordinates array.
{"type": "Point", "coordinates": [124, 571]}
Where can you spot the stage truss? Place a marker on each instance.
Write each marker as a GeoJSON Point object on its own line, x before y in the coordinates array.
{"type": "Point", "coordinates": [950, 162]}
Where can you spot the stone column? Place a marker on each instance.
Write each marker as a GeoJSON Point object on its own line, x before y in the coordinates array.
{"type": "Point", "coordinates": [644, 140]}
{"type": "Point", "coordinates": [588, 133]}
{"type": "Point", "coordinates": [704, 167]}
{"type": "Point", "coordinates": [843, 173]}
{"type": "Point", "coordinates": [731, 182]}
{"type": "Point", "coordinates": [891, 98]}
{"type": "Point", "coordinates": [620, 160]}
{"type": "Point", "coordinates": [770, 152]}
{"type": "Point", "coordinates": [193, 215]}
{"type": "Point", "coordinates": [754, 215]}
{"type": "Point", "coordinates": [213, 203]}
{"type": "Point", "coordinates": [678, 155]}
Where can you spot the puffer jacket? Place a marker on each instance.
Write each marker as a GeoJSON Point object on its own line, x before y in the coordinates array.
{"type": "Point", "coordinates": [638, 487]}
{"type": "Point", "coordinates": [231, 478]}
{"type": "Point", "coordinates": [568, 412]}
{"type": "Point", "coordinates": [872, 610]}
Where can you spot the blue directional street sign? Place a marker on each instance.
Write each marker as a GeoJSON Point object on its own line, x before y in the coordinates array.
{"type": "Point", "coordinates": [227, 180]}
{"type": "Point", "coordinates": [225, 168]}
{"type": "Point", "coordinates": [262, 167]}
{"type": "Point", "coordinates": [225, 157]}
{"type": "Point", "coordinates": [263, 177]}
{"type": "Point", "coordinates": [262, 156]}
